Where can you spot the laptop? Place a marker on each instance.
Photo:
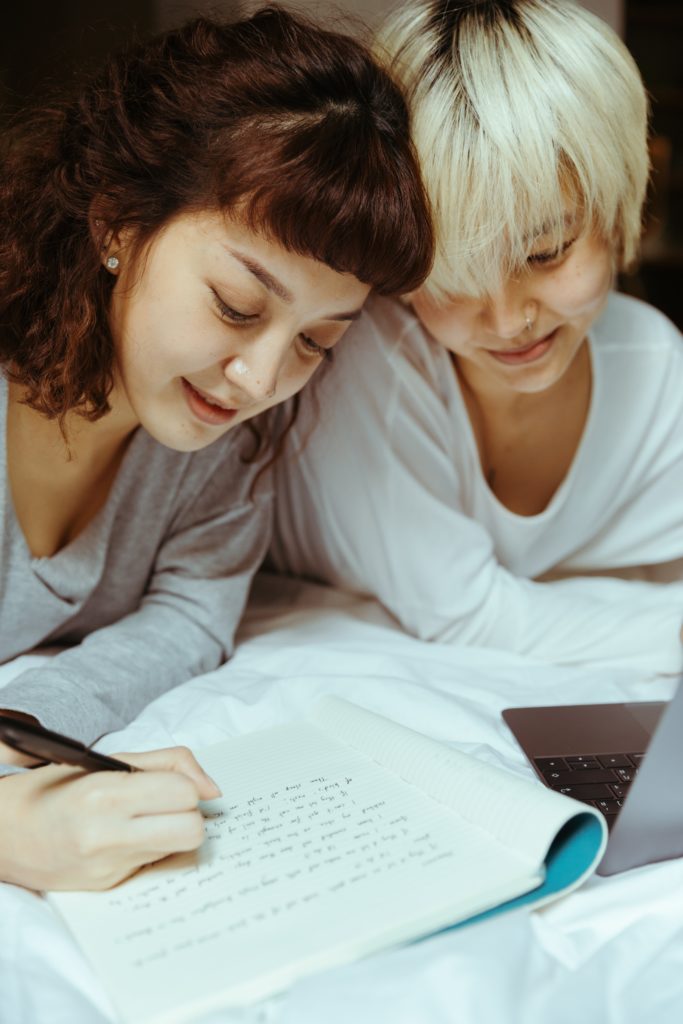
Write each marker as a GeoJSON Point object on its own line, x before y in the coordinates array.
{"type": "Point", "coordinates": [624, 759]}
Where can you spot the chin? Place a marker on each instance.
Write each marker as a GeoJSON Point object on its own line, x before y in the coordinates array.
{"type": "Point", "coordinates": [536, 380]}
{"type": "Point", "coordinates": [183, 437]}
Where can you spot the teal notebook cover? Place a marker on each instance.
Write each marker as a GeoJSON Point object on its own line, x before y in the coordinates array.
{"type": "Point", "coordinates": [576, 850]}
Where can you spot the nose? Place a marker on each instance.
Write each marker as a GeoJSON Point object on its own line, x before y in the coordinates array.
{"type": "Point", "coordinates": [507, 310]}
{"type": "Point", "coordinates": [256, 369]}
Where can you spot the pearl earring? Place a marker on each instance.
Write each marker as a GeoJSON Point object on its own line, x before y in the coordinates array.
{"type": "Point", "coordinates": [112, 263]}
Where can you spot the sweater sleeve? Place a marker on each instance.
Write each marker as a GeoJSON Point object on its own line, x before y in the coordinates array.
{"type": "Point", "coordinates": [184, 626]}
{"type": "Point", "coordinates": [374, 503]}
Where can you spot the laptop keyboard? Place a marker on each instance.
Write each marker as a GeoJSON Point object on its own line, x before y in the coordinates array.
{"type": "Point", "coordinates": [601, 780]}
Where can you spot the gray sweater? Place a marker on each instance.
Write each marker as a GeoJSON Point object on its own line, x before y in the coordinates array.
{"type": "Point", "coordinates": [148, 595]}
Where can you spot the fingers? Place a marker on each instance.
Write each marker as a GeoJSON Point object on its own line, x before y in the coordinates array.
{"type": "Point", "coordinates": [176, 759]}
{"type": "Point", "coordinates": [62, 828]}
{"type": "Point", "coordinates": [162, 834]}
{"type": "Point", "coordinates": [119, 795]}
{"type": "Point", "coordinates": [118, 823]}
{"type": "Point", "coordinates": [141, 840]}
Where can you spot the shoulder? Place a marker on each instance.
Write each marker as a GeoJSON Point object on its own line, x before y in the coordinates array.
{"type": "Point", "coordinates": [374, 340]}
{"type": "Point", "coordinates": [393, 330]}
{"type": "Point", "coordinates": [629, 325]}
{"type": "Point", "coordinates": [638, 354]}
{"type": "Point", "coordinates": [386, 352]}
{"type": "Point", "coordinates": [388, 388]}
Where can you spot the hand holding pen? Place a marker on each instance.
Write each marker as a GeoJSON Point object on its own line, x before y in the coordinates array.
{"type": "Point", "coordinates": [43, 745]}
{"type": "Point", "coordinates": [89, 825]}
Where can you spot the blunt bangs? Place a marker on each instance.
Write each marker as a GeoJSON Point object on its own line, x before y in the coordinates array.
{"type": "Point", "coordinates": [329, 187]}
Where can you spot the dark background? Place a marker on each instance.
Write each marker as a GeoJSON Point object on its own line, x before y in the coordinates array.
{"type": "Point", "coordinates": [43, 45]}
{"type": "Point", "coordinates": [654, 35]}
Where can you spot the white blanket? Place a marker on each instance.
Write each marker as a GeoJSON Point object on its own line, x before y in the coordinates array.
{"type": "Point", "coordinates": [611, 953]}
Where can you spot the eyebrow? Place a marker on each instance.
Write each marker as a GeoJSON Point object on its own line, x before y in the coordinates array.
{"type": "Point", "coordinates": [262, 275]}
{"type": "Point", "coordinates": [277, 288]}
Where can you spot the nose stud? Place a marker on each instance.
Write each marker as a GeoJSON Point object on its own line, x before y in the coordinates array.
{"type": "Point", "coordinates": [240, 369]}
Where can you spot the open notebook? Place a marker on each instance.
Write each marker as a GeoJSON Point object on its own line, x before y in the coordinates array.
{"type": "Point", "coordinates": [336, 837]}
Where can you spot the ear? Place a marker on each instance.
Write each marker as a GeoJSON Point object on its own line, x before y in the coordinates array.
{"type": "Point", "coordinates": [108, 240]}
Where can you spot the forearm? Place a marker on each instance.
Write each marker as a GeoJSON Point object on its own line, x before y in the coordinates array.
{"type": "Point", "coordinates": [575, 621]}
{"type": "Point", "coordinates": [104, 682]}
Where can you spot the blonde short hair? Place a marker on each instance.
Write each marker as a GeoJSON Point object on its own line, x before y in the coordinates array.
{"type": "Point", "coordinates": [518, 106]}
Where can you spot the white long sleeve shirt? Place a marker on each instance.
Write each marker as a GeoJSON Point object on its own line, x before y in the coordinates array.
{"type": "Point", "coordinates": [388, 497]}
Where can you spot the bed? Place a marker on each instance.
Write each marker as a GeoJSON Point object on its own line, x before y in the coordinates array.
{"type": "Point", "coordinates": [610, 953]}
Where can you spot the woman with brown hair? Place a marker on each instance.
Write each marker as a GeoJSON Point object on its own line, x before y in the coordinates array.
{"type": "Point", "coordinates": [181, 247]}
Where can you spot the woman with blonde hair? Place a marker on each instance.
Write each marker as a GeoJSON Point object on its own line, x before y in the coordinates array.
{"type": "Point", "coordinates": [495, 451]}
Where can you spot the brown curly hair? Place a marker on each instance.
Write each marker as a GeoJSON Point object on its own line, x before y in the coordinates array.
{"type": "Point", "coordinates": [295, 127]}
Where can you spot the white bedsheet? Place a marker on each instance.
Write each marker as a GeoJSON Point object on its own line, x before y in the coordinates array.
{"type": "Point", "coordinates": [611, 953]}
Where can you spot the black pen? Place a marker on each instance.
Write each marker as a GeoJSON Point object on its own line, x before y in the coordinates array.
{"type": "Point", "coordinates": [36, 741]}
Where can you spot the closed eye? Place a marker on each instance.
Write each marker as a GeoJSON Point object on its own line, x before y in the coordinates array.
{"type": "Point", "coordinates": [314, 349]}
{"type": "Point", "coordinates": [227, 312]}
{"type": "Point", "coordinates": [551, 256]}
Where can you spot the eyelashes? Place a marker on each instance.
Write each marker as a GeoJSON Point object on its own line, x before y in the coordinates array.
{"type": "Point", "coordinates": [234, 316]}
{"type": "Point", "coordinates": [312, 348]}
{"type": "Point", "coordinates": [550, 257]}
{"type": "Point", "coordinates": [228, 313]}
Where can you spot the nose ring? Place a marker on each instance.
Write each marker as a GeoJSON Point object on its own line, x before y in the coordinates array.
{"type": "Point", "coordinates": [529, 322]}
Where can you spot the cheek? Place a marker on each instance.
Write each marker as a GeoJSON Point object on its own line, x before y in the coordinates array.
{"type": "Point", "coordinates": [161, 344]}
{"type": "Point", "coordinates": [137, 353]}
{"type": "Point", "coordinates": [580, 290]}
{"type": "Point", "coordinates": [133, 323]}
{"type": "Point", "coordinates": [295, 374]}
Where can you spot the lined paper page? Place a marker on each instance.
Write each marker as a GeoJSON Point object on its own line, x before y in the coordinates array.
{"type": "Point", "coordinates": [315, 855]}
{"type": "Point", "coordinates": [522, 814]}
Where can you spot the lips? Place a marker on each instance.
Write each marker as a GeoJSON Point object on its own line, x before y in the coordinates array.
{"type": "Point", "coordinates": [210, 398]}
{"type": "Point", "coordinates": [205, 407]}
{"type": "Point", "coordinates": [528, 353]}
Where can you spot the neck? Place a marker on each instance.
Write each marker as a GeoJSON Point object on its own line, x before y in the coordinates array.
{"type": "Point", "coordinates": [80, 440]}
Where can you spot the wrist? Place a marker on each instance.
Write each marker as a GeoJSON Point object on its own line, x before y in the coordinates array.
{"type": "Point", "coordinates": [11, 853]}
